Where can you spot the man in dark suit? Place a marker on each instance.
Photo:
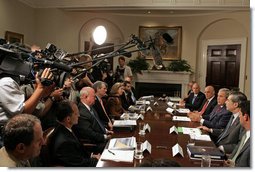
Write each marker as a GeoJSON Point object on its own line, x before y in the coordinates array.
{"type": "Point", "coordinates": [100, 88]}
{"type": "Point", "coordinates": [226, 139]}
{"type": "Point", "coordinates": [64, 147]}
{"type": "Point", "coordinates": [194, 100]}
{"type": "Point", "coordinates": [90, 128]}
{"type": "Point", "coordinates": [240, 156]}
{"type": "Point", "coordinates": [220, 116]}
{"type": "Point", "coordinates": [209, 103]}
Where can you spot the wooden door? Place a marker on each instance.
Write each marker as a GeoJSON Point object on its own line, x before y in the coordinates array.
{"type": "Point", "coordinates": [223, 66]}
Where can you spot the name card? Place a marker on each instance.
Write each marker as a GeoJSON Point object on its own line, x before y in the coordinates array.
{"type": "Point", "coordinates": [149, 109]}
{"type": "Point", "coordinates": [147, 146]}
{"type": "Point", "coordinates": [161, 99]}
{"type": "Point", "coordinates": [147, 128]}
{"type": "Point", "coordinates": [140, 116]}
{"type": "Point", "coordinates": [177, 149]}
{"type": "Point", "coordinates": [155, 104]}
{"type": "Point", "coordinates": [173, 129]}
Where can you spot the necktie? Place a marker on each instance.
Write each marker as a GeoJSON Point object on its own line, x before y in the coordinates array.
{"type": "Point", "coordinates": [204, 108]}
{"type": "Point", "coordinates": [101, 102]}
{"type": "Point", "coordinates": [132, 96]}
{"type": "Point", "coordinates": [193, 100]}
{"type": "Point", "coordinates": [222, 135]}
{"type": "Point", "coordinates": [239, 148]}
{"type": "Point", "coordinates": [97, 119]}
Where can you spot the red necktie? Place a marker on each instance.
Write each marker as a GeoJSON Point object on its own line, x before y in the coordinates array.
{"type": "Point", "coordinates": [204, 107]}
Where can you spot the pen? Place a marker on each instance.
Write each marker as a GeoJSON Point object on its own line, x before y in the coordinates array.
{"type": "Point", "coordinates": [111, 152]}
{"type": "Point", "coordinates": [161, 147]}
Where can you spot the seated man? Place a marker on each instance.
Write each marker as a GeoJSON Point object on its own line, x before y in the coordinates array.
{"type": "Point", "coordinates": [240, 156]}
{"type": "Point", "coordinates": [209, 103]}
{"type": "Point", "coordinates": [100, 88]}
{"type": "Point", "coordinates": [128, 93]}
{"type": "Point", "coordinates": [226, 139]}
{"type": "Point", "coordinates": [23, 139]}
{"type": "Point", "coordinates": [90, 128]}
{"type": "Point", "coordinates": [194, 100]}
{"type": "Point", "coordinates": [132, 91]}
{"type": "Point", "coordinates": [220, 116]}
{"type": "Point", "coordinates": [64, 147]}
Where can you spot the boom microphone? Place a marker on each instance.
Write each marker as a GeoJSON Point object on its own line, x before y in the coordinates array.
{"type": "Point", "coordinates": [125, 53]}
{"type": "Point", "coordinates": [53, 64]}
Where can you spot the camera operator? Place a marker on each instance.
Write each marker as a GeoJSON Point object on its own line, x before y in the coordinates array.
{"type": "Point", "coordinates": [13, 100]}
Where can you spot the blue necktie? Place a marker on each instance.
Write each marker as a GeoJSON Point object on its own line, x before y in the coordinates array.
{"type": "Point", "coordinates": [193, 100]}
{"type": "Point", "coordinates": [94, 114]}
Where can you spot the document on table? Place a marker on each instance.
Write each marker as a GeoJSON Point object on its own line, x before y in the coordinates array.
{"type": "Point", "coordinates": [187, 130]}
{"type": "Point", "coordinates": [169, 110]}
{"type": "Point", "coordinates": [122, 123]}
{"type": "Point", "coordinates": [118, 155]}
{"type": "Point", "coordinates": [181, 118]}
{"type": "Point", "coordinates": [203, 137]}
{"type": "Point", "coordinates": [183, 110]}
{"type": "Point", "coordinates": [126, 143]}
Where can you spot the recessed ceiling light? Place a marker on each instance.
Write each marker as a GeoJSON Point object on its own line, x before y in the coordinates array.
{"type": "Point", "coordinates": [148, 12]}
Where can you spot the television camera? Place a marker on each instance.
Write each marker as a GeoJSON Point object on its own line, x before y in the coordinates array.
{"type": "Point", "coordinates": [18, 62]}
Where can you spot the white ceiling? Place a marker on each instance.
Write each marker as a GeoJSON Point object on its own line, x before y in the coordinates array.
{"type": "Point", "coordinates": [148, 7]}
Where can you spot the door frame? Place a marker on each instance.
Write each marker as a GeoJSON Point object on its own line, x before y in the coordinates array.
{"type": "Point", "coordinates": [202, 64]}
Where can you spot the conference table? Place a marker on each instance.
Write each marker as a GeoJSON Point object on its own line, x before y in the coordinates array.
{"type": "Point", "coordinates": [160, 122]}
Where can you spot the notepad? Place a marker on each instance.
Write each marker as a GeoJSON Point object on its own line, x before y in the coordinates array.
{"type": "Point", "coordinates": [118, 155]}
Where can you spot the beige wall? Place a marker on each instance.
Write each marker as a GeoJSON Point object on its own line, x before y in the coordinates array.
{"type": "Point", "coordinates": [62, 28]}
{"type": "Point", "coordinates": [17, 17]}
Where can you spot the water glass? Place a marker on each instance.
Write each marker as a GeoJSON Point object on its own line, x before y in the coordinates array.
{"type": "Point", "coordinates": [206, 161]}
{"type": "Point", "coordinates": [141, 129]}
{"type": "Point", "coordinates": [139, 150]}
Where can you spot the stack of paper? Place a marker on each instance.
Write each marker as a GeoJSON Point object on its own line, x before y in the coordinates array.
{"type": "Point", "coordinates": [118, 155]}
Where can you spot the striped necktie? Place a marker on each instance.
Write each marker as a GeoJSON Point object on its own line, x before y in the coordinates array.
{"type": "Point", "coordinates": [204, 108]}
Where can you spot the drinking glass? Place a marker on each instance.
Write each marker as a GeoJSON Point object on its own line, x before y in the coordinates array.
{"type": "Point", "coordinates": [139, 150]}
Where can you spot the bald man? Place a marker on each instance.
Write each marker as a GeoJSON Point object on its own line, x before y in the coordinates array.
{"type": "Point", "coordinates": [209, 103]}
{"type": "Point", "coordinates": [90, 127]}
{"type": "Point", "coordinates": [194, 100]}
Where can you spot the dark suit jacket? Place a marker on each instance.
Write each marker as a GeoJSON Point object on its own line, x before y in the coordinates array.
{"type": "Point", "coordinates": [218, 118]}
{"type": "Point", "coordinates": [101, 113]}
{"type": "Point", "coordinates": [124, 101]}
{"type": "Point", "coordinates": [88, 128]}
{"type": "Point", "coordinates": [232, 136]}
{"type": "Point", "coordinates": [209, 108]}
{"type": "Point", "coordinates": [243, 158]}
{"type": "Point", "coordinates": [197, 103]}
{"type": "Point", "coordinates": [66, 150]}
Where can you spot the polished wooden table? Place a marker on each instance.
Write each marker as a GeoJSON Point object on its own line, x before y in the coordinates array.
{"type": "Point", "coordinates": [160, 122]}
